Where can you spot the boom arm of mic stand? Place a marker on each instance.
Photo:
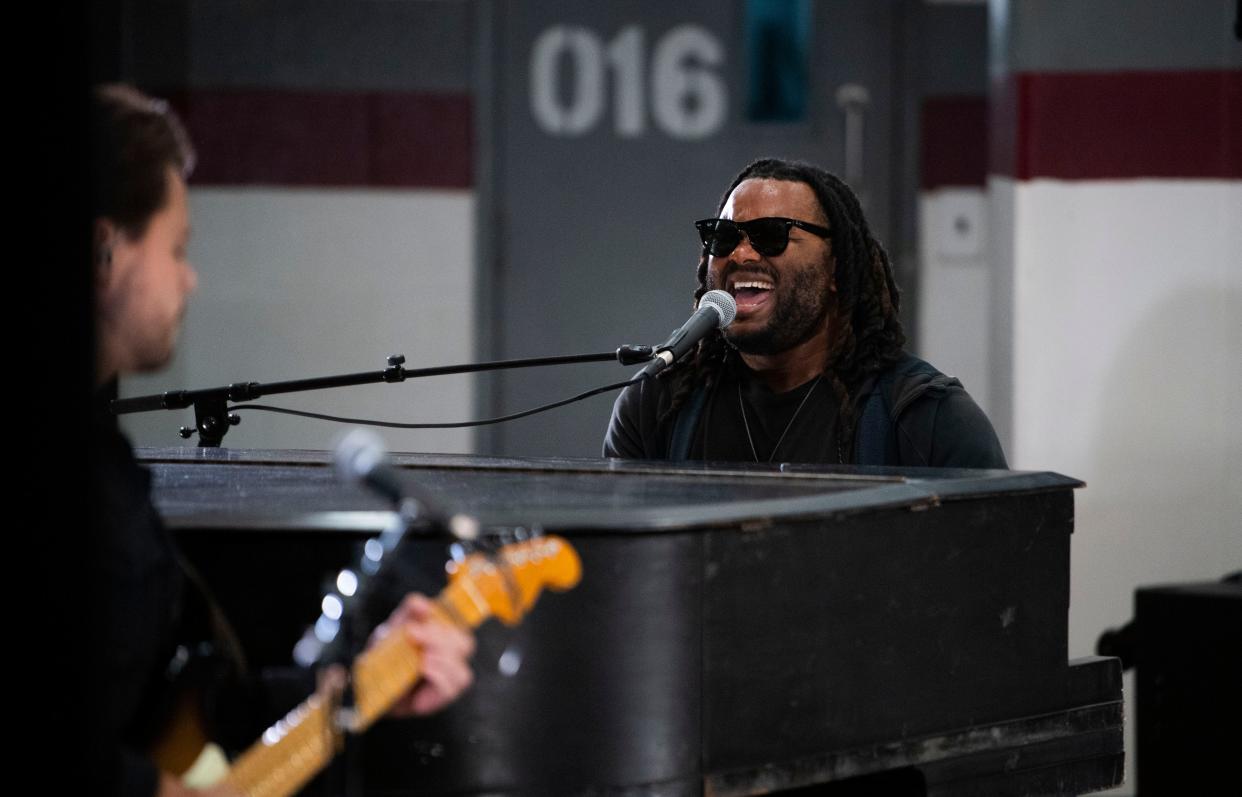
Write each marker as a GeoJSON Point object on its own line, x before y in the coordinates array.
{"type": "Point", "coordinates": [212, 418]}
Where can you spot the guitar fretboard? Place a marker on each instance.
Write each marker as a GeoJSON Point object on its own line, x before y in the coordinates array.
{"type": "Point", "coordinates": [296, 748]}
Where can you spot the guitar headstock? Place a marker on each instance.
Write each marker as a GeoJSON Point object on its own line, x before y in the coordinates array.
{"type": "Point", "coordinates": [506, 583]}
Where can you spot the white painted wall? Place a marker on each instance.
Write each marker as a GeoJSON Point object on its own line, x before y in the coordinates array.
{"type": "Point", "coordinates": [296, 283]}
{"type": "Point", "coordinates": [1126, 318]}
{"type": "Point", "coordinates": [954, 287]}
{"type": "Point", "coordinates": [1127, 356]}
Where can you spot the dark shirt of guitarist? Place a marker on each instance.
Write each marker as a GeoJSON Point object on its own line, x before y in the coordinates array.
{"type": "Point", "coordinates": [142, 280]}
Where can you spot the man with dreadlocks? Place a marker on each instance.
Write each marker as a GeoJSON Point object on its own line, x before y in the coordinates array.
{"type": "Point", "coordinates": [812, 369]}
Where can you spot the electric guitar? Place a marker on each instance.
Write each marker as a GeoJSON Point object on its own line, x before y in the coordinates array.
{"type": "Point", "coordinates": [291, 752]}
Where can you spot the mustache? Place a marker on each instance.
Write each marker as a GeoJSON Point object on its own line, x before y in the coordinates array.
{"type": "Point", "coordinates": [733, 268]}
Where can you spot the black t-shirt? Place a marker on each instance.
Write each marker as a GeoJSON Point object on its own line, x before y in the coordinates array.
{"type": "Point", "coordinates": [798, 425]}
{"type": "Point", "coordinates": [136, 617]}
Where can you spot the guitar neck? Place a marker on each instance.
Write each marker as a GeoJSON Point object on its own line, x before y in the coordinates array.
{"type": "Point", "coordinates": [298, 747]}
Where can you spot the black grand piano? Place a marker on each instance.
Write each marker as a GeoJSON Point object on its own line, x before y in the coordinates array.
{"type": "Point", "coordinates": [738, 630]}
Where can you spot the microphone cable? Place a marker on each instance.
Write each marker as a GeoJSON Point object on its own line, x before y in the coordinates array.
{"type": "Point", "coordinates": [458, 425]}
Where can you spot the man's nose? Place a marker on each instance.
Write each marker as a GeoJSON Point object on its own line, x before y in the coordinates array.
{"type": "Point", "coordinates": [744, 252]}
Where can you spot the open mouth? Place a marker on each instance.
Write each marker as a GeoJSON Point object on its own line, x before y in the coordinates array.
{"type": "Point", "coordinates": [750, 293]}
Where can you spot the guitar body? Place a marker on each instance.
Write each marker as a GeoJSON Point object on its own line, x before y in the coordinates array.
{"type": "Point", "coordinates": [184, 738]}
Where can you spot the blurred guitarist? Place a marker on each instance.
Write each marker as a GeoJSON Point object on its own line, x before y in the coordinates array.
{"type": "Point", "coordinates": [146, 601]}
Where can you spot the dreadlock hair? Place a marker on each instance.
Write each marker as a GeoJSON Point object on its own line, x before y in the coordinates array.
{"type": "Point", "coordinates": [865, 334]}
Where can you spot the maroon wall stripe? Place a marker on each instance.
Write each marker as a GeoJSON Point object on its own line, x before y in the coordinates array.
{"type": "Point", "coordinates": [1111, 125]}
{"type": "Point", "coordinates": [378, 139]}
{"type": "Point", "coordinates": [954, 142]}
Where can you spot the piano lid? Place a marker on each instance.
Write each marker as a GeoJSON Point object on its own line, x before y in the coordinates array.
{"type": "Point", "coordinates": [233, 488]}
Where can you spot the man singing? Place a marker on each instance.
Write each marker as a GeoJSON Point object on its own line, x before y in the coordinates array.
{"type": "Point", "coordinates": [812, 369]}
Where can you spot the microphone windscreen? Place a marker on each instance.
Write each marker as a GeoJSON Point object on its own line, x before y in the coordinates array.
{"type": "Point", "coordinates": [357, 455]}
{"type": "Point", "coordinates": [724, 304]}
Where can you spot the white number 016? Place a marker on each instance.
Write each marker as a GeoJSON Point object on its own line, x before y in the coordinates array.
{"type": "Point", "coordinates": [688, 97]}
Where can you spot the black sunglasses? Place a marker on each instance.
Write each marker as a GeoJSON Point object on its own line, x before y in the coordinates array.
{"type": "Point", "coordinates": [769, 236]}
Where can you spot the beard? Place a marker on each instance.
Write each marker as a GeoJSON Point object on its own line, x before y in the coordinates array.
{"type": "Point", "coordinates": [800, 310]}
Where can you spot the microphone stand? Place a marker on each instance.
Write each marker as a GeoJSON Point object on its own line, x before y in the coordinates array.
{"type": "Point", "coordinates": [212, 418]}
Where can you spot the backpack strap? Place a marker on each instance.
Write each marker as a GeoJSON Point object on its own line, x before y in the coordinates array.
{"type": "Point", "coordinates": [687, 421]}
{"type": "Point", "coordinates": [874, 435]}
{"type": "Point", "coordinates": [875, 441]}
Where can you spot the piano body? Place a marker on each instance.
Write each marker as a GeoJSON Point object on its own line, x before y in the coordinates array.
{"type": "Point", "coordinates": [738, 630]}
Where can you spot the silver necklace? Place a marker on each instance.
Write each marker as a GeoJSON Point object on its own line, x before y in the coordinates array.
{"type": "Point", "coordinates": [741, 405]}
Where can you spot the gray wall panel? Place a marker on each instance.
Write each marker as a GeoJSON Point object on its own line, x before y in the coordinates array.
{"type": "Point", "coordinates": [393, 45]}
{"type": "Point", "coordinates": [1107, 35]}
{"type": "Point", "coordinates": [950, 44]}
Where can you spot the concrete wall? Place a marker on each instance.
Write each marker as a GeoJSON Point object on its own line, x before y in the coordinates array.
{"type": "Point", "coordinates": [333, 207]}
{"type": "Point", "coordinates": [948, 97]}
{"type": "Point", "coordinates": [1114, 200]}
{"type": "Point", "coordinates": [310, 282]}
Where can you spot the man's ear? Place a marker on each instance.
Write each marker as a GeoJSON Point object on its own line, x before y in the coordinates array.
{"type": "Point", "coordinates": [832, 273]}
{"type": "Point", "coordinates": [105, 235]}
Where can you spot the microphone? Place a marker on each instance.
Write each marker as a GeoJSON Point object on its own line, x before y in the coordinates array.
{"type": "Point", "coordinates": [360, 458]}
{"type": "Point", "coordinates": [716, 311]}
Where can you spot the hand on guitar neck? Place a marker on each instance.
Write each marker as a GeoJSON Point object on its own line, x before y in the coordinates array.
{"type": "Point", "coordinates": [446, 648]}
{"type": "Point", "coordinates": [444, 674]}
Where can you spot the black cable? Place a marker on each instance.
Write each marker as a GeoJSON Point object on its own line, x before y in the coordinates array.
{"type": "Point", "coordinates": [458, 425]}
